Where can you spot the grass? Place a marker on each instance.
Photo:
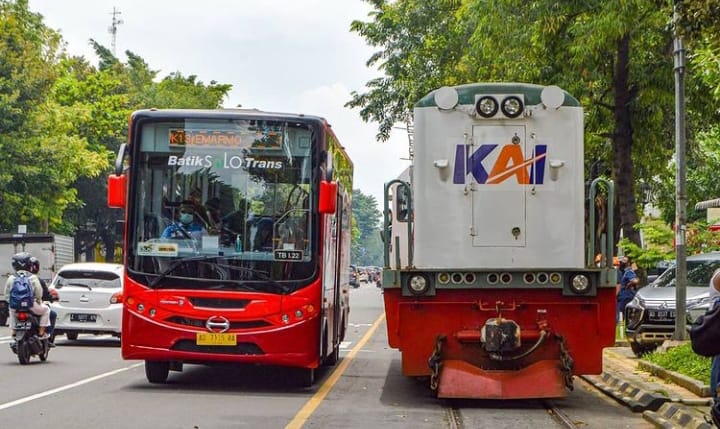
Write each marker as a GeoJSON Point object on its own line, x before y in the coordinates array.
{"type": "Point", "coordinates": [683, 360]}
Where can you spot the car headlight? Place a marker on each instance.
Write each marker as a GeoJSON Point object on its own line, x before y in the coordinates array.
{"type": "Point", "coordinates": [703, 302]}
{"type": "Point", "coordinates": [637, 301]}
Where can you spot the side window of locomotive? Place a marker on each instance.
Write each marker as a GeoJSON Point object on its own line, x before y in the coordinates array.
{"type": "Point", "coordinates": [402, 204]}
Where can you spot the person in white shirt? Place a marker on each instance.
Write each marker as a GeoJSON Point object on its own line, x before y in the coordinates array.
{"type": "Point", "coordinates": [21, 263]}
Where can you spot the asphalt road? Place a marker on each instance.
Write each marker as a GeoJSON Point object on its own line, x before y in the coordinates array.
{"type": "Point", "coordinates": [86, 384]}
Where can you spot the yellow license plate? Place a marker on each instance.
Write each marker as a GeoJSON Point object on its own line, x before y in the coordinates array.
{"type": "Point", "coordinates": [215, 339]}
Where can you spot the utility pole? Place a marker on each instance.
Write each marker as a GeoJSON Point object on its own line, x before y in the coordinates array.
{"type": "Point", "coordinates": [680, 194]}
{"type": "Point", "coordinates": [114, 27]}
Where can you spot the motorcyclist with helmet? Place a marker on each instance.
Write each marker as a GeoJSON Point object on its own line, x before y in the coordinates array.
{"type": "Point", "coordinates": [22, 266]}
{"type": "Point", "coordinates": [46, 297]}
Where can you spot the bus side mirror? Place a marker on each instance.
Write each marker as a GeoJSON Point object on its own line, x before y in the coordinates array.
{"type": "Point", "coordinates": [116, 191]}
{"type": "Point", "coordinates": [328, 197]}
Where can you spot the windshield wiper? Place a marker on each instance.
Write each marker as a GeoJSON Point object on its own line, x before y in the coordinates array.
{"type": "Point", "coordinates": [176, 263]}
{"type": "Point", "coordinates": [262, 276]}
{"type": "Point", "coordinates": [78, 285]}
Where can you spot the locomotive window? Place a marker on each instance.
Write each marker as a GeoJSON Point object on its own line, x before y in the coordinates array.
{"type": "Point", "coordinates": [402, 204]}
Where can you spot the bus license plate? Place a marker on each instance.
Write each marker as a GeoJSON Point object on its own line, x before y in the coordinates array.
{"type": "Point", "coordinates": [216, 339]}
{"type": "Point", "coordinates": [81, 317]}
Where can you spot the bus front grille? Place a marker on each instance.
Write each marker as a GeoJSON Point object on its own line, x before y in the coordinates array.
{"type": "Point", "coordinates": [200, 323]}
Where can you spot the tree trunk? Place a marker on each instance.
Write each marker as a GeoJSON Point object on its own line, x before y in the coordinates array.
{"type": "Point", "coordinates": [623, 170]}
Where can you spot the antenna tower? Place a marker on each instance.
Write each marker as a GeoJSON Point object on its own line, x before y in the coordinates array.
{"type": "Point", "coordinates": [114, 27]}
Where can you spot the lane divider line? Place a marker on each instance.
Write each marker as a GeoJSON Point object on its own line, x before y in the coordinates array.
{"type": "Point", "coordinates": [311, 405]}
{"type": "Point", "coordinates": [66, 387]}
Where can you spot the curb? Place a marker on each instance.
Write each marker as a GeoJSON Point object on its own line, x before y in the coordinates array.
{"type": "Point", "coordinates": [671, 415]}
{"type": "Point", "coordinates": [622, 391]}
{"type": "Point", "coordinates": [690, 384]}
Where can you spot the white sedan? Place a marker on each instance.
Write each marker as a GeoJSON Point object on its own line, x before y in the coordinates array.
{"type": "Point", "coordinates": [89, 299]}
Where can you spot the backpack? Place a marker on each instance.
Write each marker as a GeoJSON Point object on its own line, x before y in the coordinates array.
{"type": "Point", "coordinates": [21, 293]}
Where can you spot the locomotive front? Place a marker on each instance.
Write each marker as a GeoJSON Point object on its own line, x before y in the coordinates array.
{"type": "Point", "coordinates": [487, 285]}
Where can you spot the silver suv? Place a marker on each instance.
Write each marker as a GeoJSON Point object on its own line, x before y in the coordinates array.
{"type": "Point", "coordinates": [650, 316]}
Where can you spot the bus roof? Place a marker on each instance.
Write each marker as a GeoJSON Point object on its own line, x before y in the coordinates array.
{"type": "Point", "coordinates": [224, 113]}
{"type": "Point", "coordinates": [467, 93]}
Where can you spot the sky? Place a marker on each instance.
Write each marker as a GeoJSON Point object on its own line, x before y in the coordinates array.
{"type": "Point", "coordinates": [295, 56]}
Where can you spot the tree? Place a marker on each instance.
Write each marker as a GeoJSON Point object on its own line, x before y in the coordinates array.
{"type": "Point", "coordinates": [109, 94]}
{"type": "Point", "coordinates": [366, 247]}
{"type": "Point", "coordinates": [41, 158]}
{"type": "Point", "coordinates": [613, 55]}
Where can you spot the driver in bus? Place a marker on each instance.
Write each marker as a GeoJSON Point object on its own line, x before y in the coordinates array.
{"type": "Point", "coordinates": [186, 226]}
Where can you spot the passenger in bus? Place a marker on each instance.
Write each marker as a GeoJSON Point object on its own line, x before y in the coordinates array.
{"type": "Point", "coordinates": [186, 226]}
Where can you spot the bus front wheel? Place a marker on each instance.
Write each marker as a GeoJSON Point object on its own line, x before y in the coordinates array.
{"type": "Point", "coordinates": [157, 371]}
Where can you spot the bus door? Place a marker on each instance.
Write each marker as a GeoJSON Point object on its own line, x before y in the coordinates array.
{"type": "Point", "coordinates": [330, 280]}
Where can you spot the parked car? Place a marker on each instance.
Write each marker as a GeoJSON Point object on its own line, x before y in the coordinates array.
{"type": "Point", "coordinates": [650, 316]}
{"type": "Point", "coordinates": [89, 299]}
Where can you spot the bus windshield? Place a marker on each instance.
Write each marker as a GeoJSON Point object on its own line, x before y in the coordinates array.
{"type": "Point", "coordinates": [222, 204]}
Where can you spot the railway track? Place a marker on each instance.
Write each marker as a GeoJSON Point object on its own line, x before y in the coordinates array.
{"type": "Point", "coordinates": [455, 419]}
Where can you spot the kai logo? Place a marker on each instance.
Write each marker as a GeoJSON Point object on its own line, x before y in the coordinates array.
{"type": "Point", "coordinates": [510, 163]}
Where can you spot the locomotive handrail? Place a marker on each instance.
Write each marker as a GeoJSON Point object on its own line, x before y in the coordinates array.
{"type": "Point", "coordinates": [386, 223]}
{"type": "Point", "coordinates": [610, 232]}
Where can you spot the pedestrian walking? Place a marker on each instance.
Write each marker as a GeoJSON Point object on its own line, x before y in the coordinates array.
{"type": "Point", "coordinates": [714, 293]}
{"type": "Point", "coordinates": [628, 285]}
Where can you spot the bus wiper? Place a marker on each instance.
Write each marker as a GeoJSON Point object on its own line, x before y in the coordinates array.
{"type": "Point", "coordinates": [176, 263]}
{"type": "Point", "coordinates": [263, 277]}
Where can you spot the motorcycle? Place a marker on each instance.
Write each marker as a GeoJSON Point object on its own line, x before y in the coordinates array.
{"type": "Point", "coordinates": [28, 342]}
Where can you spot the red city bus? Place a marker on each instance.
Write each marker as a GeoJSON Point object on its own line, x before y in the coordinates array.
{"type": "Point", "coordinates": [237, 240]}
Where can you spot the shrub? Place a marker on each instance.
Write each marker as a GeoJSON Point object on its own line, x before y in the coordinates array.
{"type": "Point", "coordinates": [683, 360]}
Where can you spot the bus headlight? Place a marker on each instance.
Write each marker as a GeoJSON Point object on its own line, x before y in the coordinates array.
{"type": "Point", "coordinates": [418, 284]}
{"type": "Point", "coordinates": [580, 283]}
{"type": "Point", "coordinates": [512, 106]}
{"type": "Point", "coordinates": [486, 106]}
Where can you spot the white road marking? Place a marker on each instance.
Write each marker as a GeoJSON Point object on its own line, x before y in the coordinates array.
{"type": "Point", "coordinates": [65, 387]}
{"type": "Point", "coordinates": [358, 325]}
{"type": "Point", "coordinates": [345, 345]}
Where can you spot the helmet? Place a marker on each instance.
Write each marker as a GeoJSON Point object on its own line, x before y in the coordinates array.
{"type": "Point", "coordinates": [34, 265]}
{"type": "Point", "coordinates": [21, 261]}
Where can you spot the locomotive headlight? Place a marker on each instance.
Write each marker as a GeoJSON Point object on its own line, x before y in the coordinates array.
{"type": "Point", "coordinates": [486, 106]}
{"type": "Point", "coordinates": [580, 283]}
{"type": "Point", "coordinates": [512, 106]}
{"type": "Point", "coordinates": [418, 284]}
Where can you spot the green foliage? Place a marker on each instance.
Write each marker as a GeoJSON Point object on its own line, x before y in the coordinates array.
{"type": "Point", "coordinates": [615, 56]}
{"type": "Point", "coordinates": [41, 155]}
{"type": "Point", "coordinates": [366, 246]}
{"type": "Point", "coordinates": [659, 239]}
{"type": "Point", "coordinates": [62, 120]}
{"type": "Point", "coordinates": [683, 360]}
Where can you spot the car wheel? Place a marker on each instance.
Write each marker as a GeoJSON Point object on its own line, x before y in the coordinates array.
{"type": "Point", "coordinates": [642, 349]}
{"type": "Point", "coordinates": [157, 371]}
{"type": "Point", "coordinates": [72, 336]}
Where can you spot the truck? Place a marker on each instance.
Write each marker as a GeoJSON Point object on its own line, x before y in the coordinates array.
{"type": "Point", "coordinates": [52, 250]}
